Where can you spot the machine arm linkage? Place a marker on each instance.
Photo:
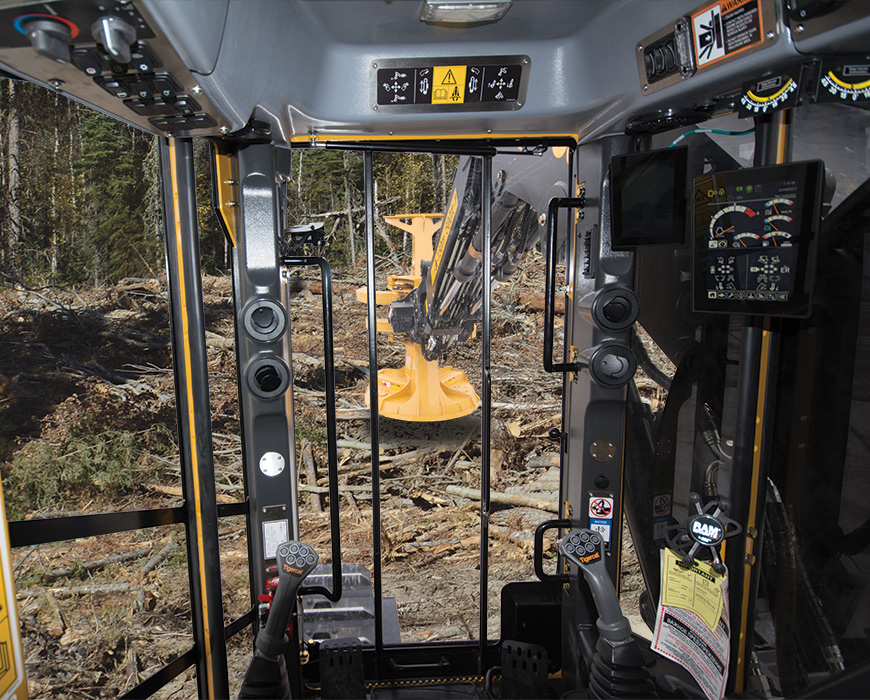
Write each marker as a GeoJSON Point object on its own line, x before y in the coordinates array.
{"type": "Point", "coordinates": [444, 308]}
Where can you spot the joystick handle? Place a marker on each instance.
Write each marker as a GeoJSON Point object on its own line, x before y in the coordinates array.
{"type": "Point", "coordinates": [583, 548]}
{"type": "Point", "coordinates": [295, 561]}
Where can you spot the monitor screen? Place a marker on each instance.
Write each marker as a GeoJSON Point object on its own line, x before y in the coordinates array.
{"type": "Point", "coordinates": [649, 202]}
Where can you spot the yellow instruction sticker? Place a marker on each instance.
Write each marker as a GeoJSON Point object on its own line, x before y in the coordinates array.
{"type": "Point", "coordinates": [448, 85]}
{"type": "Point", "coordinates": [698, 588]}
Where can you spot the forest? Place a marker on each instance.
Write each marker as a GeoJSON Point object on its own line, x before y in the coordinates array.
{"type": "Point", "coordinates": [80, 195]}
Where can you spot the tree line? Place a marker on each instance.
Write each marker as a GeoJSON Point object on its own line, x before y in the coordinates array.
{"type": "Point", "coordinates": [80, 195]}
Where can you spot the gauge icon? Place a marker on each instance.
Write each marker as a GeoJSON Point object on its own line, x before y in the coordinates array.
{"type": "Point", "coordinates": [849, 82]}
{"type": "Point", "coordinates": [732, 221]}
{"type": "Point", "coordinates": [778, 225]}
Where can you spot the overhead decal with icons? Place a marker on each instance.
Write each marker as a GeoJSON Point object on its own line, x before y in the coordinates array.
{"type": "Point", "coordinates": [460, 85]}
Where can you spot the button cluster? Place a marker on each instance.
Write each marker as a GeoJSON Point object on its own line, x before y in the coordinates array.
{"type": "Point", "coordinates": [94, 61]}
{"type": "Point", "coordinates": [297, 555]}
{"type": "Point", "coordinates": [582, 543]}
{"type": "Point", "coordinates": [143, 90]}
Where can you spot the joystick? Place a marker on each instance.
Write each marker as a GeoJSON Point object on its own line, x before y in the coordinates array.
{"type": "Point", "coordinates": [618, 668]}
{"type": "Point", "coordinates": [267, 674]}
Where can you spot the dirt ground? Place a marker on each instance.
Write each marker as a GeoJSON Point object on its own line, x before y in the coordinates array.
{"type": "Point", "coordinates": [87, 424]}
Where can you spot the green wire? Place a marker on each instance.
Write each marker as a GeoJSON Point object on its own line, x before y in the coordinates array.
{"type": "Point", "coordinates": [724, 132]}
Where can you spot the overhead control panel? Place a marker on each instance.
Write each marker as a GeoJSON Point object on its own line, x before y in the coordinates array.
{"type": "Point", "coordinates": [711, 35]}
{"type": "Point", "coordinates": [754, 239]}
{"type": "Point", "coordinates": [107, 54]}
{"type": "Point", "coordinates": [451, 85]}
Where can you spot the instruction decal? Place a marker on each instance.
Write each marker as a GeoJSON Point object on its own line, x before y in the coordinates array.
{"type": "Point", "coordinates": [725, 28]}
{"type": "Point", "coordinates": [603, 528]}
{"type": "Point", "coordinates": [418, 84]}
{"type": "Point", "coordinates": [692, 625]}
{"type": "Point", "coordinates": [661, 515]}
{"type": "Point", "coordinates": [275, 532]}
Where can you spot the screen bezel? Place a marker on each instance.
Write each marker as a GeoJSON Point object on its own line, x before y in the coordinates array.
{"type": "Point", "coordinates": [809, 176]}
{"type": "Point", "coordinates": [671, 163]}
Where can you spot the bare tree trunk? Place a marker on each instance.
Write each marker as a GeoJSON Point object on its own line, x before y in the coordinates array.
{"type": "Point", "coordinates": [55, 208]}
{"type": "Point", "coordinates": [349, 204]}
{"type": "Point", "coordinates": [13, 139]}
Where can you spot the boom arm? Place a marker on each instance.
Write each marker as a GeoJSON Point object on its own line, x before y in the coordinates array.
{"type": "Point", "coordinates": [443, 309]}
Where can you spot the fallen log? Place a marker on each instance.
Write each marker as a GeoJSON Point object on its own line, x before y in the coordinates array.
{"type": "Point", "coordinates": [508, 499]}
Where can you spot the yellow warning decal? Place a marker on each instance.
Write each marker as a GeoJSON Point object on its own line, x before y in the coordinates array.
{"type": "Point", "coordinates": [697, 588]}
{"type": "Point", "coordinates": [448, 85]}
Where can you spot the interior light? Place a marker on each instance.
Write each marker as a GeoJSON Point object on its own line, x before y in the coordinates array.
{"type": "Point", "coordinates": [464, 11]}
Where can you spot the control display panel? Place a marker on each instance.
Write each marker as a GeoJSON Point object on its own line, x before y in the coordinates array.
{"type": "Point", "coordinates": [649, 198]}
{"type": "Point", "coordinates": [754, 239]}
{"type": "Point", "coordinates": [435, 85]}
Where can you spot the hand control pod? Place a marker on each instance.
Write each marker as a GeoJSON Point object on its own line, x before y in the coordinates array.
{"type": "Point", "coordinates": [267, 675]}
{"type": "Point", "coordinates": [583, 549]}
{"type": "Point", "coordinates": [617, 668]}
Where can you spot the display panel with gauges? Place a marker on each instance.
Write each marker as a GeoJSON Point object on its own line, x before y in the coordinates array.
{"type": "Point", "coordinates": [754, 239]}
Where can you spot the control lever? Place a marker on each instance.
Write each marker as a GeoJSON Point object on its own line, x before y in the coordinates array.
{"type": "Point", "coordinates": [583, 549]}
{"type": "Point", "coordinates": [116, 36]}
{"type": "Point", "coordinates": [267, 674]}
{"type": "Point", "coordinates": [618, 669]}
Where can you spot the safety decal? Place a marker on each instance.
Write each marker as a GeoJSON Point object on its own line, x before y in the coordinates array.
{"type": "Point", "coordinates": [726, 28]}
{"type": "Point", "coordinates": [600, 507]}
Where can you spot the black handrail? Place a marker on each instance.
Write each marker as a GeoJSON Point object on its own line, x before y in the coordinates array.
{"type": "Point", "coordinates": [331, 423]}
{"type": "Point", "coordinates": [538, 556]}
{"type": "Point", "coordinates": [550, 284]}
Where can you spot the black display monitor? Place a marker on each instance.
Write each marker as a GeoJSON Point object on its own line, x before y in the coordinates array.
{"type": "Point", "coordinates": [648, 199]}
{"type": "Point", "coordinates": [754, 239]}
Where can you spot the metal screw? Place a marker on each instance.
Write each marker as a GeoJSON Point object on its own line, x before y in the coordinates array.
{"type": "Point", "coordinates": [196, 90]}
{"type": "Point", "coordinates": [374, 65]}
{"type": "Point", "coordinates": [646, 88]}
{"type": "Point", "coordinates": [800, 29]}
{"type": "Point", "coordinates": [639, 48]}
{"type": "Point", "coordinates": [375, 108]}
{"type": "Point", "coordinates": [771, 36]}
{"type": "Point", "coordinates": [224, 130]}
{"type": "Point", "coordinates": [55, 83]}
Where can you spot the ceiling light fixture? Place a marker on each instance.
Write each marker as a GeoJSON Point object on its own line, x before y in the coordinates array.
{"type": "Point", "coordinates": [464, 11]}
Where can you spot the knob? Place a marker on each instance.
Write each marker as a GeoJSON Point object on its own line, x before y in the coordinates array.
{"type": "Point", "coordinates": [49, 37]}
{"type": "Point", "coordinates": [610, 364]}
{"type": "Point", "coordinates": [116, 36]}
